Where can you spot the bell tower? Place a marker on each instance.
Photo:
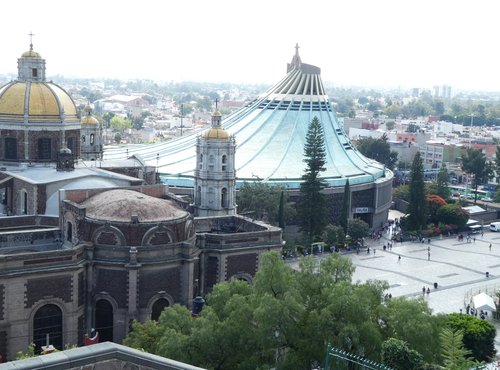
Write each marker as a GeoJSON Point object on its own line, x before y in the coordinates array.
{"type": "Point", "coordinates": [215, 174]}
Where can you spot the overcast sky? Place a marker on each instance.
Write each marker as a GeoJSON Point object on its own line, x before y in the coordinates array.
{"type": "Point", "coordinates": [407, 43]}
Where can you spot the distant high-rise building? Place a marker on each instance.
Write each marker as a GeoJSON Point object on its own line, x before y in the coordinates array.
{"type": "Point", "coordinates": [443, 91]}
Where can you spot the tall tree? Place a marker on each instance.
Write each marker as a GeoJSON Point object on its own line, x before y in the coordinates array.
{"type": "Point", "coordinates": [397, 355]}
{"type": "Point", "coordinates": [344, 215]}
{"type": "Point", "coordinates": [357, 229]}
{"type": "Point", "coordinates": [281, 210]}
{"type": "Point", "coordinates": [497, 161]}
{"type": "Point", "coordinates": [261, 201]}
{"type": "Point", "coordinates": [378, 149]}
{"type": "Point", "coordinates": [455, 356]}
{"type": "Point", "coordinates": [417, 208]}
{"type": "Point", "coordinates": [312, 210]}
{"type": "Point", "coordinates": [443, 180]}
{"type": "Point", "coordinates": [474, 163]}
{"type": "Point", "coordinates": [479, 335]}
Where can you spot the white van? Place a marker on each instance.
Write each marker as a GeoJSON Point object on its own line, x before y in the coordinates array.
{"type": "Point", "coordinates": [495, 226]}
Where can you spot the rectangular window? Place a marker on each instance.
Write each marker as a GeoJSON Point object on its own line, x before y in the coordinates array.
{"type": "Point", "coordinates": [34, 72]}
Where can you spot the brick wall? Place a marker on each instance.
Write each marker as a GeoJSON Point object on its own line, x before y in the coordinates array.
{"type": "Point", "coordinates": [49, 287]}
{"type": "Point", "coordinates": [115, 282]}
{"type": "Point", "coordinates": [153, 281]}
{"type": "Point", "coordinates": [241, 263]}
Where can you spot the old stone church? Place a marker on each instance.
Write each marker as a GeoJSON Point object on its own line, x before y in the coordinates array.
{"type": "Point", "coordinates": [85, 245]}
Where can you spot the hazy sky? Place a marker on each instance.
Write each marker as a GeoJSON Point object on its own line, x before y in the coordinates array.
{"type": "Point", "coordinates": [407, 43]}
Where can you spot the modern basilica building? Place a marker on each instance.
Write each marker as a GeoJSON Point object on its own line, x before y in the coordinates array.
{"type": "Point", "coordinates": [271, 132]}
{"type": "Point", "coordinates": [98, 244]}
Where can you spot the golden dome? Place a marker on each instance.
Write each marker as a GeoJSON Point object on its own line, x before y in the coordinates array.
{"type": "Point", "coordinates": [216, 114]}
{"type": "Point", "coordinates": [216, 133]}
{"type": "Point", "coordinates": [31, 53]}
{"type": "Point", "coordinates": [89, 120]}
{"type": "Point", "coordinates": [46, 102]}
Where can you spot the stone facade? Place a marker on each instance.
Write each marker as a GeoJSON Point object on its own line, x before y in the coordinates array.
{"type": "Point", "coordinates": [81, 264]}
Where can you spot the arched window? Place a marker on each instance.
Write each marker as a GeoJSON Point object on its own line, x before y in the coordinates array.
{"type": "Point", "coordinates": [91, 139]}
{"type": "Point", "coordinates": [70, 143]}
{"type": "Point", "coordinates": [104, 320]}
{"type": "Point", "coordinates": [69, 231]}
{"type": "Point", "coordinates": [158, 307]}
{"type": "Point", "coordinates": [224, 162]}
{"type": "Point", "coordinates": [223, 198]}
{"type": "Point", "coordinates": [211, 161]}
{"type": "Point", "coordinates": [48, 320]}
{"type": "Point", "coordinates": [211, 196]}
{"type": "Point", "coordinates": [198, 195]}
{"type": "Point", "coordinates": [24, 200]}
{"type": "Point", "coordinates": [44, 149]}
{"type": "Point", "coordinates": [83, 138]}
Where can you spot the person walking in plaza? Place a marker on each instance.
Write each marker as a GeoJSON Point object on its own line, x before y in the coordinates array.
{"type": "Point", "coordinates": [490, 247]}
{"type": "Point", "coordinates": [423, 291]}
{"type": "Point", "coordinates": [428, 290]}
{"type": "Point", "coordinates": [428, 256]}
{"type": "Point", "coordinates": [399, 259]}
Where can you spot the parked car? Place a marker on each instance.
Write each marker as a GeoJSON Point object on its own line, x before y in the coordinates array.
{"type": "Point", "coordinates": [487, 199]}
{"type": "Point", "coordinates": [495, 226]}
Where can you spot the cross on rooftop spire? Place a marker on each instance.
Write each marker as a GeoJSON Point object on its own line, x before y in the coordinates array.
{"type": "Point", "coordinates": [216, 103]}
{"type": "Point", "coordinates": [297, 49]}
{"type": "Point", "coordinates": [31, 34]}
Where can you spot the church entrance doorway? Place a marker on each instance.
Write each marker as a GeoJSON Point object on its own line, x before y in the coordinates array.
{"type": "Point", "coordinates": [48, 321]}
{"type": "Point", "coordinates": [104, 320]}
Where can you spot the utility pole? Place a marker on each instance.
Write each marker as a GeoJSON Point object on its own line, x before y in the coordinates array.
{"type": "Point", "coordinates": [182, 114]}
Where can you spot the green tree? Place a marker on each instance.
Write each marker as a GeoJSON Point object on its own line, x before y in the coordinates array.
{"type": "Point", "coordinates": [284, 319]}
{"type": "Point", "coordinates": [346, 204]}
{"type": "Point", "coordinates": [452, 214]}
{"type": "Point", "coordinates": [455, 356]}
{"type": "Point", "coordinates": [261, 201]}
{"type": "Point", "coordinates": [107, 116]}
{"type": "Point", "coordinates": [118, 138]}
{"type": "Point", "coordinates": [402, 192]}
{"type": "Point", "coordinates": [443, 180]}
{"type": "Point", "coordinates": [417, 209]}
{"type": "Point", "coordinates": [357, 229]}
{"type": "Point", "coordinates": [281, 210]}
{"type": "Point", "coordinates": [478, 335]}
{"type": "Point", "coordinates": [397, 355]}
{"type": "Point", "coordinates": [390, 125]}
{"type": "Point", "coordinates": [497, 161]}
{"type": "Point", "coordinates": [119, 124]}
{"type": "Point", "coordinates": [334, 235]}
{"type": "Point", "coordinates": [412, 322]}
{"type": "Point", "coordinates": [378, 149]}
{"type": "Point", "coordinates": [474, 163]}
{"type": "Point", "coordinates": [312, 210]}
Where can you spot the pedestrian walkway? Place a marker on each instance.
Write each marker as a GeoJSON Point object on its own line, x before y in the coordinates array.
{"type": "Point", "coordinates": [459, 269]}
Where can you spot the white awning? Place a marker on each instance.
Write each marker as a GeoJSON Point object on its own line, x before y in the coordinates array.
{"type": "Point", "coordinates": [483, 301]}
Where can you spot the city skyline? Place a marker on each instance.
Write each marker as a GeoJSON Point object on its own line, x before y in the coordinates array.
{"type": "Point", "coordinates": [357, 43]}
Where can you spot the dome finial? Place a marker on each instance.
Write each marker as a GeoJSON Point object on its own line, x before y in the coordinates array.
{"type": "Point", "coordinates": [297, 50]}
{"type": "Point", "coordinates": [31, 34]}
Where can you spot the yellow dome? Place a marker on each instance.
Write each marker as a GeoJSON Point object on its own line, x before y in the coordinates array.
{"type": "Point", "coordinates": [46, 102]}
{"type": "Point", "coordinates": [31, 53]}
{"type": "Point", "coordinates": [89, 120]}
{"type": "Point", "coordinates": [216, 114]}
{"type": "Point", "coordinates": [216, 133]}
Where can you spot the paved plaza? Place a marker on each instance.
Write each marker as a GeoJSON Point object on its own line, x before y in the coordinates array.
{"type": "Point", "coordinates": [459, 269]}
